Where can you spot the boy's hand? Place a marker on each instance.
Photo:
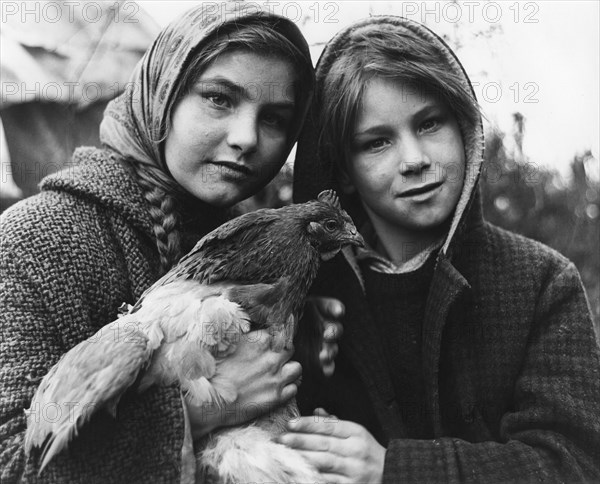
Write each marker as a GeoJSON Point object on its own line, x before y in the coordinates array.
{"type": "Point", "coordinates": [342, 451]}
{"type": "Point", "coordinates": [319, 333]}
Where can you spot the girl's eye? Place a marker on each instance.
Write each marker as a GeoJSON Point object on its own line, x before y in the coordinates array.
{"type": "Point", "coordinates": [218, 99]}
{"type": "Point", "coordinates": [274, 120]}
{"type": "Point", "coordinates": [375, 144]}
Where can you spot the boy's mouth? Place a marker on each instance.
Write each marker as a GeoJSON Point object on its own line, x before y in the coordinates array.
{"type": "Point", "coordinates": [422, 189]}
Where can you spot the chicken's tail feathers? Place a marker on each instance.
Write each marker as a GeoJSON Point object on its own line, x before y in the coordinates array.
{"type": "Point", "coordinates": [92, 375]}
{"type": "Point", "coordinates": [53, 425]}
{"type": "Point", "coordinates": [55, 443]}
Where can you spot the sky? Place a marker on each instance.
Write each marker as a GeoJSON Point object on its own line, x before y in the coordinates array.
{"type": "Point", "coordinates": [538, 58]}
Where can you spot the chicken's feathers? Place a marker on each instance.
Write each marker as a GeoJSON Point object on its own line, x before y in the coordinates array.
{"type": "Point", "coordinates": [90, 376]}
{"type": "Point", "coordinates": [190, 324]}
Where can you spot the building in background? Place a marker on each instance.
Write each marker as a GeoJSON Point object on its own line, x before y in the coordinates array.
{"type": "Point", "coordinates": [60, 64]}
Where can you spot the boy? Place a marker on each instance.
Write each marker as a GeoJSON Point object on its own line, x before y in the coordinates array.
{"type": "Point", "coordinates": [468, 352]}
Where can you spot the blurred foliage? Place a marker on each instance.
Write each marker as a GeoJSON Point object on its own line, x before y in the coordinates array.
{"type": "Point", "coordinates": [560, 211]}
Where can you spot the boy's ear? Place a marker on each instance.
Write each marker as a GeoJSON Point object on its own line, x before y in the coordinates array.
{"type": "Point", "coordinates": [345, 181]}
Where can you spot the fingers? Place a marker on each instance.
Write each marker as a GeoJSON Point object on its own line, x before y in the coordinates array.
{"type": "Point", "coordinates": [332, 331]}
{"type": "Point", "coordinates": [327, 361]}
{"type": "Point", "coordinates": [329, 307]}
{"type": "Point", "coordinates": [257, 341]}
{"type": "Point", "coordinates": [288, 392]}
{"type": "Point", "coordinates": [335, 478]}
{"type": "Point", "coordinates": [321, 412]}
{"type": "Point", "coordinates": [291, 372]}
{"type": "Point", "coordinates": [326, 462]}
{"type": "Point", "coordinates": [328, 426]}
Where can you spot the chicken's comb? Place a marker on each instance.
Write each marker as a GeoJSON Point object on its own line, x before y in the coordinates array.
{"type": "Point", "coordinates": [330, 197]}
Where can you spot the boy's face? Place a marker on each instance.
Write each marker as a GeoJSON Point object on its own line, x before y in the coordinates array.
{"type": "Point", "coordinates": [407, 159]}
{"type": "Point", "coordinates": [230, 135]}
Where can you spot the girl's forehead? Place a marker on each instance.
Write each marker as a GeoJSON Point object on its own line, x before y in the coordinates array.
{"type": "Point", "coordinates": [255, 76]}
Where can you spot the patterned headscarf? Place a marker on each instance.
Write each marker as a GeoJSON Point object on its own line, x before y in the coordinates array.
{"type": "Point", "coordinates": [135, 123]}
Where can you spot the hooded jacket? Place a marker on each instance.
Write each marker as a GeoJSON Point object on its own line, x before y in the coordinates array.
{"type": "Point", "coordinates": [510, 361]}
{"type": "Point", "coordinates": [74, 253]}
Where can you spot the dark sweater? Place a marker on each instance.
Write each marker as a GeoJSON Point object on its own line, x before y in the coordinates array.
{"type": "Point", "coordinates": [390, 295]}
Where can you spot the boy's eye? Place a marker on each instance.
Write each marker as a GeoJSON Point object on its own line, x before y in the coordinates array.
{"type": "Point", "coordinates": [429, 125]}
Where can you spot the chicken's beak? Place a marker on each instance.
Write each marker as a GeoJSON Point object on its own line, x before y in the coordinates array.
{"type": "Point", "coordinates": [353, 236]}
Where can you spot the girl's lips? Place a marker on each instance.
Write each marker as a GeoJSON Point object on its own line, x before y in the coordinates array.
{"type": "Point", "coordinates": [422, 189]}
{"type": "Point", "coordinates": [233, 166]}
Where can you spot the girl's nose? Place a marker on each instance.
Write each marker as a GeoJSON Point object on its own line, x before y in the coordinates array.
{"type": "Point", "coordinates": [413, 159]}
{"type": "Point", "coordinates": [243, 132]}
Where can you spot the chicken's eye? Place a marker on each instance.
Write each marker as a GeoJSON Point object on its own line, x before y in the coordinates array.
{"type": "Point", "coordinates": [330, 225]}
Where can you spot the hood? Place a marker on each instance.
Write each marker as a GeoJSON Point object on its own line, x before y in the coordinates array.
{"type": "Point", "coordinates": [313, 171]}
{"type": "Point", "coordinates": [135, 123]}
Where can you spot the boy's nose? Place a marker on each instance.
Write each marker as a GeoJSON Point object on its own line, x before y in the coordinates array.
{"type": "Point", "coordinates": [243, 133]}
{"type": "Point", "coordinates": [413, 159]}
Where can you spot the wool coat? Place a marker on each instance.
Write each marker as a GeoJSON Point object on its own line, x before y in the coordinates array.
{"type": "Point", "coordinates": [510, 361]}
{"type": "Point", "coordinates": [71, 256]}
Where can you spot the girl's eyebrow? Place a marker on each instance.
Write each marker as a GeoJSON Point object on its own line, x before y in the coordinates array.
{"type": "Point", "coordinates": [241, 91]}
{"type": "Point", "coordinates": [223, 82]}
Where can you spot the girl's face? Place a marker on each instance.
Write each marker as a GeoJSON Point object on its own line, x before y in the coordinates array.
{"type": "Point", "coordinates": [229, 135]}
{"type": "Point", "coordinates": [406, 159]}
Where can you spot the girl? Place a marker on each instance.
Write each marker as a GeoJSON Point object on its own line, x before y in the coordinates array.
{"type": "Point", "coordinates": [211, 113]}
{"type": "Point", "coordinates": [469, 353]}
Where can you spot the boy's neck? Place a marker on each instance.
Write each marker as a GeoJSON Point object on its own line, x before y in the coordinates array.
{"type": "Point", "coordinates": [400, 245]}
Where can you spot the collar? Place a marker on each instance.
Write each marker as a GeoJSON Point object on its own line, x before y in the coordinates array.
{"type": "Point", "coordinates": [371, 254]}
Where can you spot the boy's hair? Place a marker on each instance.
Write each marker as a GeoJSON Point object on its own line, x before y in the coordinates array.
{"type": "Point", "coordinates": [389, 54]}
{"type": "Point", "coordinates": [255, 35]}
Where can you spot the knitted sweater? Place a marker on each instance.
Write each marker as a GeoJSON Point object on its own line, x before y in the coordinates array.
{"type": "Point", "coordinates": [397, 303]}
{"type": "Point", "coordinates": [70, 257]}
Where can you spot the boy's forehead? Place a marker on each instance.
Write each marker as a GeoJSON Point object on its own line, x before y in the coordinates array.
{"type": "Point", "coordinates": [383, 97]}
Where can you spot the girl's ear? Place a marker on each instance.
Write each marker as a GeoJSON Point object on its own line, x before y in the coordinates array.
{"type": "Point", "coordinates": [345, 181]}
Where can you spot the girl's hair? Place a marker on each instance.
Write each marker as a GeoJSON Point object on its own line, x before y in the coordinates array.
{"type": "Point", "coordinates": [255, 34]}
{"type": "Point", "coordinates": [389, 54]}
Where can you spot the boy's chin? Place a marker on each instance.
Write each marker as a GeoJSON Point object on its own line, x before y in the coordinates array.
{"type": "Point", "coordinates": [436, 226]}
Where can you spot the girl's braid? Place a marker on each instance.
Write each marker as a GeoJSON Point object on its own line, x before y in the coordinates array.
{"type": "Point", "coordinates": [164, 215]}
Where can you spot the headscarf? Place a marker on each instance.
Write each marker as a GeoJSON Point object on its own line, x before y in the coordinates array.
{"type": "Point", "coordinates": [135, 123]}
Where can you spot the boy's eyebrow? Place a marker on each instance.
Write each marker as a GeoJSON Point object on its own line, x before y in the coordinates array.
{"type": "Point", "coordinates": [423, 111]}
{"type": "Point", "coordinates": [242, 91]}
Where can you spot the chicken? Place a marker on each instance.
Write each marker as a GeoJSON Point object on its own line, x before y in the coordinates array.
{"type": "Point", "coordinates": [252, 272]}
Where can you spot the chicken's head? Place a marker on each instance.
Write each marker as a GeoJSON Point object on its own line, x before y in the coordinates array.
{"type": "Point", "coordinates": [329, 226]}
